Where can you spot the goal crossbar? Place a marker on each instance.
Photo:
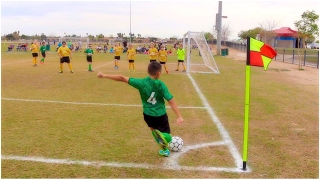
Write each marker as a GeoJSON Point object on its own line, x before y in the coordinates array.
{"type": "Point", "coordinates": [203, 62]}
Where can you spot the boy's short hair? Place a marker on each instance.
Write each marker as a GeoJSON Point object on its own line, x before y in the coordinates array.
{"type": "Point", "coordinates": [154, 67]}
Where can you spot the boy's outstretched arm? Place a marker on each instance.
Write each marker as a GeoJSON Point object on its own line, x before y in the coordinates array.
{"type": "Point", "coordinates": [175, 108]}
{"type": "Point", "coordinates": [113, 77]}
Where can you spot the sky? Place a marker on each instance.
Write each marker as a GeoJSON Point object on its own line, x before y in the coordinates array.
{"type": "Point", "coordinates": [149, 18]}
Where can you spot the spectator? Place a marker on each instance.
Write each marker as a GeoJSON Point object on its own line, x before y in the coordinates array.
{"type": "Point", "coordinates": [111, 50]}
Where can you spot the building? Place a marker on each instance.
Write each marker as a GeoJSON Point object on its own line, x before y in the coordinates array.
{"type": "Point", "coordinates": [284, 37]}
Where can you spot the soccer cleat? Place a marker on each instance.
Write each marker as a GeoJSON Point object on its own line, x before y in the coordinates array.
{"type": "Point", "coordinates": [164, 152]}
{"type": "Point", "coordinates": [90, 70]}
{"type": "Point", "coordinates": [34, 65]}
{"type": "Point", "coordinates": [167, 72]}
{"type": "Point", "coordinates": [129, 70]}
{"type": "Point", "coordinates": [60, 71]}
{"type": "Point", "coordinates": [160, 139]}
{"type": "Point", "coordinates": [134, 70]}
{"type": "Point", "coordinates": [184, 71]}
{"type": "Point", "coordinates": [71, 71]}
{"type": "Point", "coordinates": [177, 69]}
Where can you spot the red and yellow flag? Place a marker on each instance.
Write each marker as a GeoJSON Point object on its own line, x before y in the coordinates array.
{"type": "Point", "coordinates": [259, 54]}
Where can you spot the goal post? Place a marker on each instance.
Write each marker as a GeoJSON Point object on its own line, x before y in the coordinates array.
{"type": "Point", "coordinates": [77, 40]}
{"type": "Point", "coordinates": [199, 55]}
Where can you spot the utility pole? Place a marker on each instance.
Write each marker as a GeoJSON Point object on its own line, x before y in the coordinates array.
{"type": "Point", "coordinates": [218, 27]}
{"type": "Point", "coordinates": [130, 22]}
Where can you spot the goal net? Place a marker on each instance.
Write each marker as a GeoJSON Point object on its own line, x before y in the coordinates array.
{"type": "Point", "coordinates": [199, 55]}
{"type": "Point", "coordinates": [82, 42]}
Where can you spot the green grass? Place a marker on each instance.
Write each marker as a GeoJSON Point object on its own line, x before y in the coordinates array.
{"type": "Point", "coordinates": [283, 133]}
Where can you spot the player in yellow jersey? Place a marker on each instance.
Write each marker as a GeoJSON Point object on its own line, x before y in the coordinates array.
{"type": "Point", "coordinates": [117, 50]}
{"type": "Point", "coordinates": [131, 55]}
{"type": "Point", "coordinates": [153, 52]}
{"type": "Point", "coordinates": [34, 50]}
{"type": "Point", "coordinates": [163, 57]}
{"type": "Point", "coordinates": [65, 55]}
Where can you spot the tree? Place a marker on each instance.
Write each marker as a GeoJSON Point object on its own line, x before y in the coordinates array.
{"type": "Point", "coordinates": [120, 35]}
{"type": "Point", "coordinates": [100, 36]}
{"type": "Point", "coordinates": [91, 37]}
{"type": "Point", "coordinates": [24, 37]}
{"type": "Point", "coordinates": [267, 28]}
{"type": "Point", "coordinates": [251, 33]}
{"type": "Point", "coordinates": [16, 35]}
{"type": "Point", "coordinates": [139, 35]}
{"type": "Point", "coordinates": [225, 32]}
{"type": "Point", "coordinates": [43, 37]}
{"type": "Point", "coordinates": [208, 36]}
{"type": "Point", "coordinates": [307, 27]}
{"type": "Point", "coordinates": [9, 36]}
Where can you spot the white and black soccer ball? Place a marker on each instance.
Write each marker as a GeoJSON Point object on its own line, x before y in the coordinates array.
{"type": "Point", "coordinates": [176, 144]}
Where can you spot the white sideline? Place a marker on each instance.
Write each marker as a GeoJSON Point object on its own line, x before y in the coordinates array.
{"type": "Point", "coordinates": [118, 164]}
{"type": "Point", "coordinates": [225, 136]}
{"type": "Point", "coordinates": [98, 104]}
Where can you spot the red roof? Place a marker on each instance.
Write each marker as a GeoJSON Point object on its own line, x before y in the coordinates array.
{"type": "Point", "coordinates": [285, 31]}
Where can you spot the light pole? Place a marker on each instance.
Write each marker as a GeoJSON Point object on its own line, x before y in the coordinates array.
{"type": "Point", "coordinates": [130, 22]}
{"type": "Point", "coordinates": [219, 27]}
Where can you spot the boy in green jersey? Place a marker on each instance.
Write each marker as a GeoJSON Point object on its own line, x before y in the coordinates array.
{"type": "Point", "coordinates": [181, 53]}
{"type": "Point", "coordinates": [153, 93]}
{"type": "Point", "coordinates": [43, 52]}
{"type": "Point", "coordinates": [89, 52]}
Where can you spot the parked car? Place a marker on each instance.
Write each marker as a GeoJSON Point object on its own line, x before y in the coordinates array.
{"type": "Point", "coordinates": [315, 46]}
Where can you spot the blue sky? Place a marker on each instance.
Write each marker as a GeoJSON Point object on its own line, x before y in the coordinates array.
{"type": "Point", "coordinates": [149, 18]}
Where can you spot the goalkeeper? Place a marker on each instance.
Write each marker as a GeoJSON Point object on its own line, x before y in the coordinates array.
{"type": "Point", "coordinates": [89, 52]}
{"type": "Point", "coordinates": [181, 54]}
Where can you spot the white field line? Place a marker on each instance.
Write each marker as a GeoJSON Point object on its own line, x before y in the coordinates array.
{"type": "Point", "coordinates": [170, 165]}
{"type": "Point", "coordinates": [140, 72]}
{"type": "Point", "coordinates": [172, 162]}
{"type": "Point", "coordinates": [97, 104]}
{"type": "Point", "coordinates": [102, 65]}
{"type": "Point", "coordinates": [30, 60]}
{"type": "Point", "coordinates": [225, 136]}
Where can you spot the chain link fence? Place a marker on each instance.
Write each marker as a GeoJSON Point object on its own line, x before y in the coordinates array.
{"type": "Point", "coordinates": [309, 57]}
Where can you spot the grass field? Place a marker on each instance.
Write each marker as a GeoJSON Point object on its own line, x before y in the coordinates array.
{"type": "Point", "coordinates": [79, 126]}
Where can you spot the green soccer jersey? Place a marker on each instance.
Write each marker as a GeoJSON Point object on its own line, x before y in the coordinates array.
{"type": "Point", "coordinates": [152, 93]}
{"type": "Point", "coordinates": [88, 50]}
{"type": "Point", "coordinates": [43, 49]}
{"type": "Point", "coordinates": [181, 53]}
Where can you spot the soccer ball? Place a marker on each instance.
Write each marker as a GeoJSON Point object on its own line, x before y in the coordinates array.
{"type": "Point", "coordinates": [176, 144]}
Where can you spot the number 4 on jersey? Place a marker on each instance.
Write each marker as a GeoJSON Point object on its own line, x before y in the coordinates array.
{"type": "Point", "coordinates": [152, 99]}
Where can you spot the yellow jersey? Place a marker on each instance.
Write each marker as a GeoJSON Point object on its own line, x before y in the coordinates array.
{"type": "Point", "coordinates": [153, 52]}
{"type": "Point", "coordinates": [34, 48]}
{"type": "Point", "coordinates": [64, 51]}
{"type": "Point", "coordinates": [131, 54]}
{"type": "Point", "coordinates": [118, 50]}
{"type": "Point", "coordinates": [163, 55]}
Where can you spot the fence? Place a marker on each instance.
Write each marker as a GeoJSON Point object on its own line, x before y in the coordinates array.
{"type": "Point", "coordinates": [310, 57]}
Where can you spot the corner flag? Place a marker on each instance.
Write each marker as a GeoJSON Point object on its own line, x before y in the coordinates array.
{"type": "Point", "coordinates": [258, 54]}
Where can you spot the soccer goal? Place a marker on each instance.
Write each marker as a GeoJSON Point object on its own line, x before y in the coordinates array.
{"type": "Point", "coordinates": [199, 54]}
{"type": "Point", "coordinates": [77, 40]}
